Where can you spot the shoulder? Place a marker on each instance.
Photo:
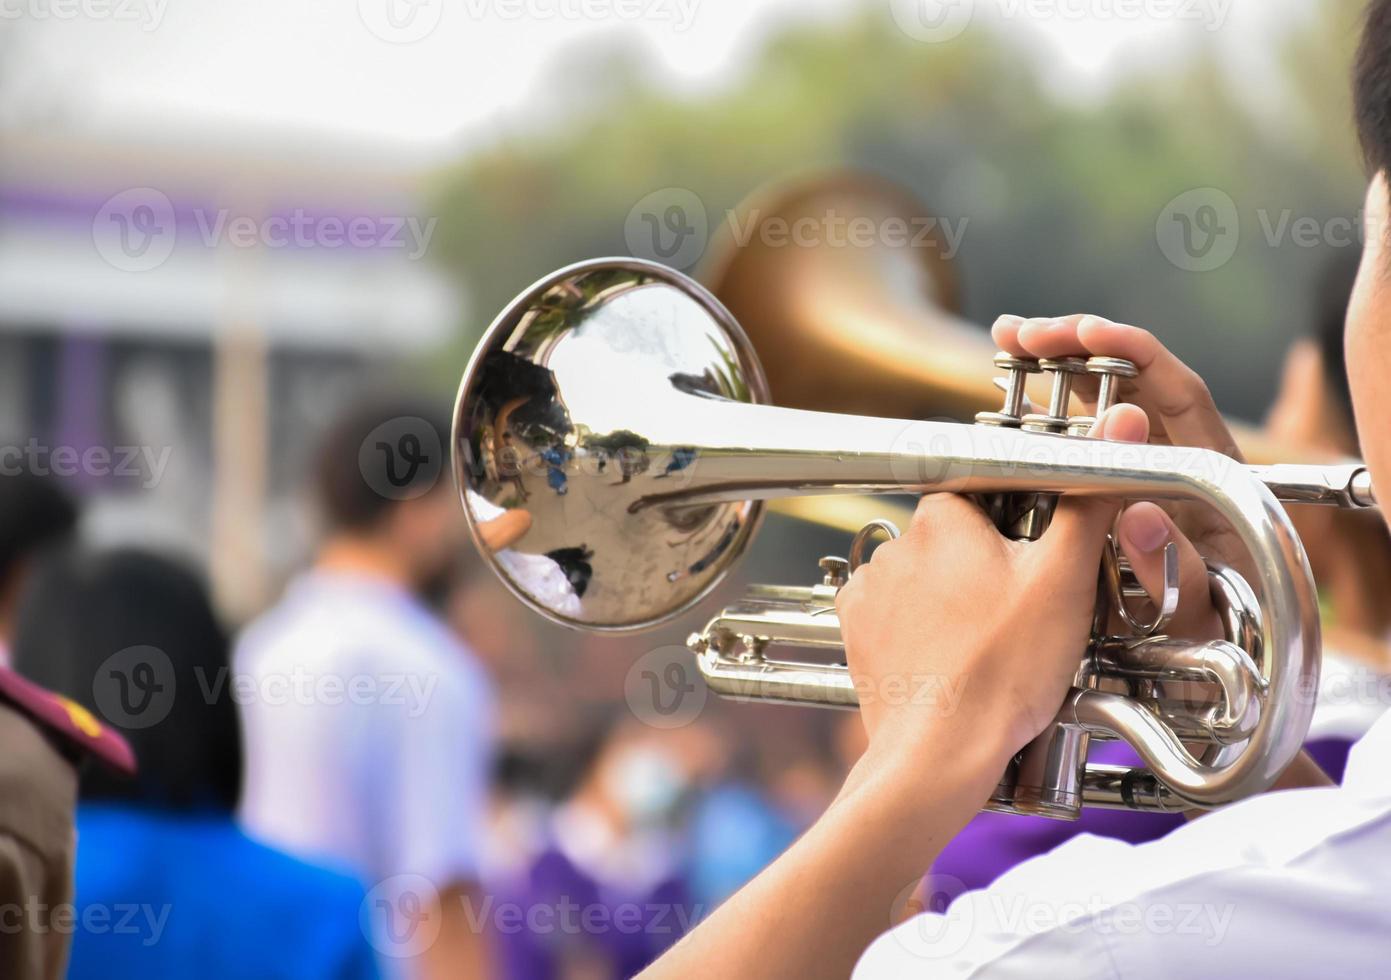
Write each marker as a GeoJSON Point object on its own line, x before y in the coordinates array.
{"type": "Point", "coordinates": [1203, 898]}
{"type": "Point", "coordinates": [69, 725]}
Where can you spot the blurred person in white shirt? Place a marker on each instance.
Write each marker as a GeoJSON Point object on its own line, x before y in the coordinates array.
{"type": "Point", "coordinates": [368, 721]}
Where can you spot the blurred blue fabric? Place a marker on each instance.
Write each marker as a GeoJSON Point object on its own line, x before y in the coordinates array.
{"type": "Point", "coordinates": [735, 832]}
{"type": "Point", "coordinates": [160, 895]}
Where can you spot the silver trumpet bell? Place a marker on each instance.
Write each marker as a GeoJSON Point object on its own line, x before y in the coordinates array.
{"type": "Point", "coordinates": [616, 420]}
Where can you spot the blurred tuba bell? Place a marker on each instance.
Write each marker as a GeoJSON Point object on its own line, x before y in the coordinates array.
{"type": "Point", "coordinates": [870, 327]}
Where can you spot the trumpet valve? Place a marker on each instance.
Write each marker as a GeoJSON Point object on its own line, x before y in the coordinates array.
{"type": "Point", "coordinates": [1017, 371]}
{"type": "Point", "coordinates": [1109, 371]}
{"type": "Point", "coordinates": [1064, 370]}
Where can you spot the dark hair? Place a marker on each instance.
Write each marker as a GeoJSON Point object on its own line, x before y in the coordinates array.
{"type": "Point", "coordinates": [96, 626]}
{"type": "Point", "coordinates": [1331, 296]}
{"type": "Point", "coordinates": [376, 454]}
{"type": "Point", "coordinates": [1371, 87]}
{"type": "Point", "coordinates": [34, 514]}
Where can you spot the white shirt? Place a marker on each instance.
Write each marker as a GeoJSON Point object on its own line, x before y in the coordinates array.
{"type": "Point", "coordinates": [1289, 884]}
{"type": "Point", "coordinates": [368, 732]}
{"type": "Point", "coordinates": [540, 576]}
{"type": "Point", "coordinates": [1351, 697]}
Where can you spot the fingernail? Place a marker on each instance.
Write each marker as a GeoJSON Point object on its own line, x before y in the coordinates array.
{"type": "Point", "coordinates": [1147, 531]}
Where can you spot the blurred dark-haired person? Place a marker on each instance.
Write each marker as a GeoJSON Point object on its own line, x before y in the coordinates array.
{"type": "Point", "coordinates": [35, 514]}
{"type": "Point", "coordinates": [167, 885]}
{"type": "Point", "coordinates": [1291, 883]}
{"type": "Point", "coordinates": [372, 743]}
{"type": "Point", "coordinates": [44, 738]}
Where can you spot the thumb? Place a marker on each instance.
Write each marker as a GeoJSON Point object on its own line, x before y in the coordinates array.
{"type": "Point", "coordinates": [1080, 523]}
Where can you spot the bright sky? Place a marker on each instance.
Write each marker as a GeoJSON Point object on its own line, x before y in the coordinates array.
{"type": "Point", "coordinates": [435, 72]}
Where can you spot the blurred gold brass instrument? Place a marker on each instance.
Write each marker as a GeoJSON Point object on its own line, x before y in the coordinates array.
{"type": "Point", "coordinates": [876, 327]}
{"type": "Point", "coordinates": [620, 406]}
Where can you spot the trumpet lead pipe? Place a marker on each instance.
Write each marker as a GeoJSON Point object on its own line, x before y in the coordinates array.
{"type": "Point", "coordinates": [1347, 485]}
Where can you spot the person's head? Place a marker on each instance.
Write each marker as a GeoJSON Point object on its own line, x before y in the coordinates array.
{"type": "Point", "coordinates": [381, 479]}
{"type": "Point", "coordinates": [133, 638]}
{"type": "Point", "coordinates": [1368, 342]}
{"type": "Point", "coordinates": [34, 515]}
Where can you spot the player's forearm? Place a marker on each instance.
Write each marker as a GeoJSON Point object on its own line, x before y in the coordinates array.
{"type": "Point", "coordinates": [814, 910]}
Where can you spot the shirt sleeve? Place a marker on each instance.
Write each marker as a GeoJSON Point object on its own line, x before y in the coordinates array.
{"type": "Point", "coordinates": [434, 757]}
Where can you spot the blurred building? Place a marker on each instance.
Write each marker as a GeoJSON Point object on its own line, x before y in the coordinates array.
{"type": "Point", "coordinates": [181, 310]}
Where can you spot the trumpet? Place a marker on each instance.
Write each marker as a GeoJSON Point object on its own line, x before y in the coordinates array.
{"type": "Point", "coordinates": [620, 405]}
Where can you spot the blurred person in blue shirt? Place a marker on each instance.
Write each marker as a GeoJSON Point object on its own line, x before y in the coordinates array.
{"type": "Point", "coordinates": [167, 885]}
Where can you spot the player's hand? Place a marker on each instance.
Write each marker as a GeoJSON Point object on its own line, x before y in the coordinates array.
{"type": "Point", "coordinates": [1181, 413]}
{"type": "Point", "coordinates": [954, 633]}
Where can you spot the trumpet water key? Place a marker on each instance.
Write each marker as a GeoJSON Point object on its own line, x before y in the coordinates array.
{"type": "Point", "coordinates": [620, 408]}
